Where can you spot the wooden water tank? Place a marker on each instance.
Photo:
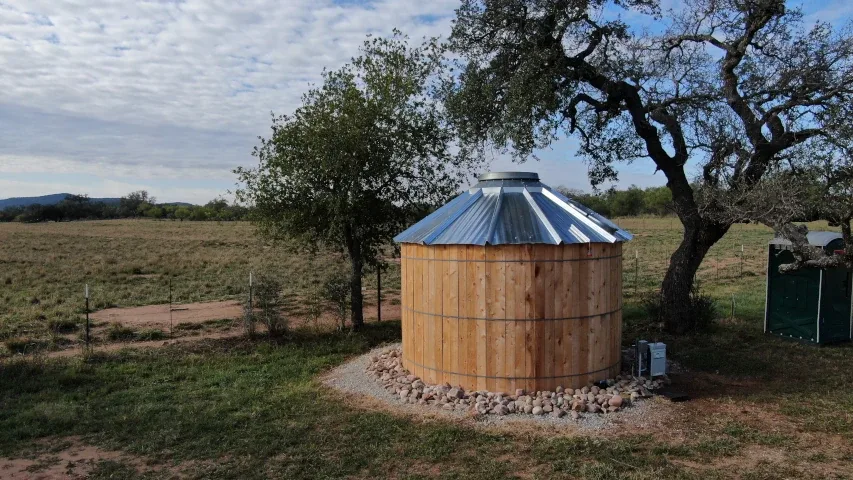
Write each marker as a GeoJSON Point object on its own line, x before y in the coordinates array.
{"type": "Point", "coordinates": [504, 317]}
{"type": "Point", "coordinates": [509, 286]}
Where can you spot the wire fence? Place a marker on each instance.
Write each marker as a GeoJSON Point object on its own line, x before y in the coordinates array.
{"type": "Point", "coordinates": [146, 299]}
{"type": "Point", "coordinates": [143, 305]}
{"type": "Point", "coordinates": [154, 307]}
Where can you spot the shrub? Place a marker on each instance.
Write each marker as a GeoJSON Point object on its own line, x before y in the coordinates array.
{"type": "Point", "coordinates": [150, 334]}
{"type": "Point", "coordinates": [25, 345]}
{"type": "Point", "coordinates": [314, 309]}
{"type": "Point", "coordinates": [119, 333]}
{"type": "Point", "coordinates": [336, 291]}
{"type": "Point", "coordinates": [189, 326]}
{"type": "Point", "coordinates": [62, 325]}
{"type": "Point", "coordinates": [268, 303]}
{"type": "Point", "coordinates": [703, 309]}
{"type": "Point", "coordinates": [249, 319]}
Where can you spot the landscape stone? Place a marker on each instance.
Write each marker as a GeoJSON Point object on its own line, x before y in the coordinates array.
{"type": "Point", "coordinates": [387, 370]}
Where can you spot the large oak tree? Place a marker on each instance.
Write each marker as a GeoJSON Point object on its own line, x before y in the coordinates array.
{"type": "Point", "coordinates": [719, 93]}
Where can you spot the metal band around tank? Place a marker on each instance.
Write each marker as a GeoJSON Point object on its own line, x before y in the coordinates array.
{"type": "Point", "coordinates": [511, 319]}
{"type": "Point", "coordinates": [512, 260]}
{"type": "Point", "coordinates": [471, 375]}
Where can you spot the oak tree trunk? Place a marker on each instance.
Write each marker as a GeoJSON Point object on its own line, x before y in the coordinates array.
{"type": "Point", "coordinates": [699, 237]}
{"type": "Point", "coordinates": [356, 298]}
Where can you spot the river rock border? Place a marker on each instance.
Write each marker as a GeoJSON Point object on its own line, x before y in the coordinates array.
{"type": "Point", "coordinates": [603, 398]}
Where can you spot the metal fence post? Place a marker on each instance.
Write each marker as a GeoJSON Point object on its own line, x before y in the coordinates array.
{"type": "Point", "coordinates": [636, 270]}
{"type": "Point", "coordinates": [741, 259]}
{"type": "Point", "coordinates": [733, 307]}
{"type": "Point", "coordinates": [378, 292]}
{"type": "Point", "coordinates": [171, 329]}
{"type": "Point", "coordinates": [87, 315]}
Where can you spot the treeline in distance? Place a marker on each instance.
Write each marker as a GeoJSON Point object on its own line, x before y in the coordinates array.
{"type": "Point", "coordinates": [135, 205]}
{"type": "Point", "coordinates": [631, 202]}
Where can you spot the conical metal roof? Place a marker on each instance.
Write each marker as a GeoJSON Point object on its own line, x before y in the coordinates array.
{"type": "Point", "coordinates": [512, 208]}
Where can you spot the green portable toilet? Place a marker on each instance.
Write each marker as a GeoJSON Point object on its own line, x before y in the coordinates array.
{"type": "Point", "coordinates": [811, 304]}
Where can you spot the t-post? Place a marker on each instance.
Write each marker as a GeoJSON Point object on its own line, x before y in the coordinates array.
{"type": "Point", "coordinates": [86, 291]}
{"type": "Point", "coordinates": [378, 292]}
{"type": "Point", "coordinates": [636, 270]}
{"type": "Point", "coordinates": [171, 330]}
{"type": "Point", "coordinates": [741, 259]}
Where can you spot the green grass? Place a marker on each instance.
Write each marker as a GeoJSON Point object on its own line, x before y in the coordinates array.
{"type": "Point", "coordinates": [240, 409]}
{"type": "Point", "coordinates": [45, 267]}
{"type": "Point", "coordinates": [235, 409]}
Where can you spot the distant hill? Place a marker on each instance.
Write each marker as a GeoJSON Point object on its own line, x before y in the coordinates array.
{"type": "Point", "coordinates": [58, 197]}
{"type": "Point", "coordinates": [45, 200]}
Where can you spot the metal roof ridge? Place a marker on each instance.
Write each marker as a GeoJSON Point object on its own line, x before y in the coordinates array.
{"type": "Point", "coordinates": [543, 218]}
{"type": "Point", "coordinates": [493, 224]}
{"type": "Point", "coordinates": [441, 227]}
{"type": "Point", "coordinates": [580, 215]}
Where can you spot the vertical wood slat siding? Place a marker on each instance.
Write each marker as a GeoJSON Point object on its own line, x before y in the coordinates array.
{"type": "Point", "coordinates": [456, 301]}
{"type": "Point", "coordinates": [450, 304]}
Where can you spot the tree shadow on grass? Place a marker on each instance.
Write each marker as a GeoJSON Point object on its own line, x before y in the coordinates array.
{"type": "Point", "coordinates": [736, 358]}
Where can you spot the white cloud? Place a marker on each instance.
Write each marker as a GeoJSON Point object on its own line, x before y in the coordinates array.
{"type": "Point", "coordinates": [150, 89]}
{"type": "Point", "coordinates": [219, 65]}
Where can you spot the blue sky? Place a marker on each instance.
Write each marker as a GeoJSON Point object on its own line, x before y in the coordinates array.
{"type": "Point", "coordinates": [105, 97]}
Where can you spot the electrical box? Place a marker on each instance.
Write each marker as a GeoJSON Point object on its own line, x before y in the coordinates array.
{"type": "Point", "coordinates": [657, 359]}
{"type": "Point", "coordinates": [651, 359]}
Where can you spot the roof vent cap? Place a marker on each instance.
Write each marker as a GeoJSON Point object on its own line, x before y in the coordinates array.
{"type": "Point", "coordinates": [508, 176]}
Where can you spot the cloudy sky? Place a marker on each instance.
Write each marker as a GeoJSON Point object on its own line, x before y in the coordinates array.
{"type": "Point", "coordinates": [105, 97]}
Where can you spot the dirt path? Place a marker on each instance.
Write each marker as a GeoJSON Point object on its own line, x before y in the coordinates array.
{"type": "Point", "coordinates": [116, 346]}
{"type": "Point", "coordinates": [76, 461]}
{"type": "Point", "coordinates": [158, 316]}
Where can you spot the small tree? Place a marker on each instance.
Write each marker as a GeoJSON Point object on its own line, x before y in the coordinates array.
{"type": "Point", "coordinates": [346, 167]}
{"type": "Point", "coordinates": [135, 203]}
{"type": "Point", "coordinates": [182, 213]}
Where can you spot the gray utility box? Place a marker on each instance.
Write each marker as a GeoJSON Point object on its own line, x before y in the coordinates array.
{"type": "Point", "coordinates": [651, 359]}
{"type": "Point", "coordinates": [657, 359]}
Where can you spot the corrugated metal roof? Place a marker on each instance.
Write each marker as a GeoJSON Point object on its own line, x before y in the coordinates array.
{"type": "Point", "coordinates": [818, 239]}
{"type": "Point", "coordinates": [512, 208]}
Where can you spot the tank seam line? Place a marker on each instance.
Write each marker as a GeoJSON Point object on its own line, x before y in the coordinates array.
{"type": "Point", "coordinates": [582, 317]}
{"type": "Point", "coordinates": [438, 370]}
{"type": "Point", "coordinates": [513, 260]}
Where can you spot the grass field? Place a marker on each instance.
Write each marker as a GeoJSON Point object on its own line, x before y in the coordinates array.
{"type": "Point", "coordinates": [44, 267]}
{"type": "Point", "coordinates": [233, 408]}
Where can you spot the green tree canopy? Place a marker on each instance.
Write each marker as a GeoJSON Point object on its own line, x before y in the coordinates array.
{"type": "Point", "coordinates": [361, 151]}
{"type": "Point", "coordinates": [738, 88]}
